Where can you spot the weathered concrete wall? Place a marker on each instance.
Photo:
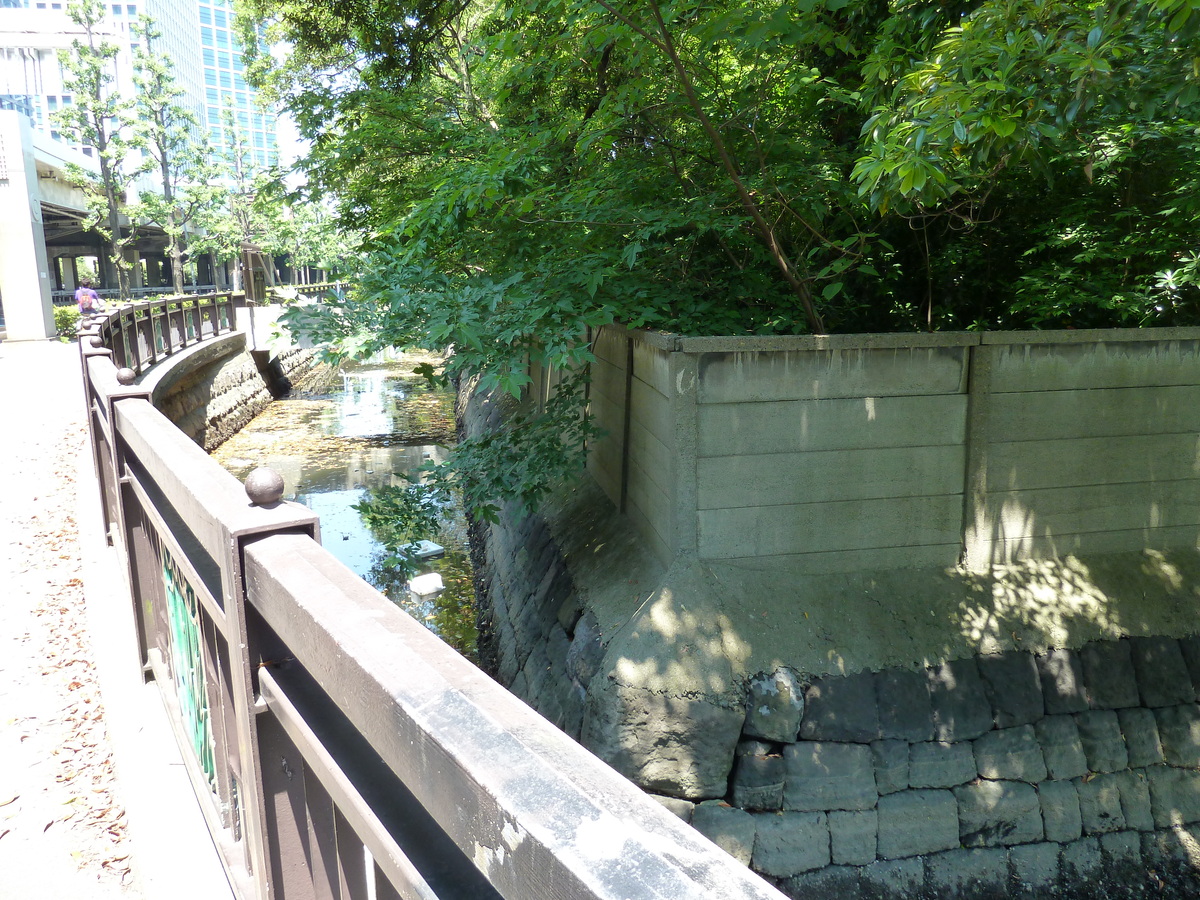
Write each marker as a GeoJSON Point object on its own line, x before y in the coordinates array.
{"type": "Point", "coordinates": [845, 563]}
{"type": "Point", "coordinates": [212, 390]}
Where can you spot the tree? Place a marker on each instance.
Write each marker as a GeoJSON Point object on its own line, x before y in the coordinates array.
{"type": "Point", "coordinates": [1056, 141]}
{"type": "Point", "coordinates": [243, 212]}
{"type": "Point", "coordinates": [101, 118]}
{"type": "Point", "coordinates": [185, 167]}
{"type": "Point", "coordinates": [530, 171]}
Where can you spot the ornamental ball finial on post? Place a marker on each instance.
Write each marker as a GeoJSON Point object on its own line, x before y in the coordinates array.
{"type": "Point", "coordinates": [264, 486]}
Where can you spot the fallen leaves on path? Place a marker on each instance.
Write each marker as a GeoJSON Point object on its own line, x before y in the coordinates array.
{"type": "Point", "coordinates": [82, 758]}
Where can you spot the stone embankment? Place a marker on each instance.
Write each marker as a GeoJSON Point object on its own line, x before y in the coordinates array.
{"type": "Point", "coordinates": [1007, 768]}
{"type": "Point", "coordinates": [225, 386]}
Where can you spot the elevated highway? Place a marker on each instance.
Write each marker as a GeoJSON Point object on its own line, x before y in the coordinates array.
{"type": "Point", "coordinates": [46, 229]}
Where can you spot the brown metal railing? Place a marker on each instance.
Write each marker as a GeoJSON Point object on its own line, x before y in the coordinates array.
{"type": "Point", "coordinates": [337, 748]}
{"type": "Point", "coordinates": [142, 334]}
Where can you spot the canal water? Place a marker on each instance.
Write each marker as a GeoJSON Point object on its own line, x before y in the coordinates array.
{"type": "Point", "coordinates": [345, 432]}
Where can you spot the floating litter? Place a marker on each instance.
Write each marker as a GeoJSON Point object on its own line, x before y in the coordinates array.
{"type": "Point", "coordinates": [424, 549]}
{"type": "Point", "coordinates": [426, 586]}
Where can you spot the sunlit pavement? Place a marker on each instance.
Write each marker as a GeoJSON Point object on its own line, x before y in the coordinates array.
{"type": "Point", "coordinates": [75, 819]}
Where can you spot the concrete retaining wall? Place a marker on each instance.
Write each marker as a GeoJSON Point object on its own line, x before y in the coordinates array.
{"type": "Point", "coordinates": [820, 596]}
{"type": "Point", "coordinates": [212, 390]}
{"type": "Point", "coordinates": [860, 452]}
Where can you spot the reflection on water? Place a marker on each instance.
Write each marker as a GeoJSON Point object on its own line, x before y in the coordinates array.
{"type": "Point", "coordinates": [365, 427]}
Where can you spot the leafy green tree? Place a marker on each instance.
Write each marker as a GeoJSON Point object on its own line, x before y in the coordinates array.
{"type": "Point", "coordinates": [1050, 141]}
{"type": "Point", "coordinates": [528, 172]}
{"type": "Point", "coordinates": [186, 172]}
{"type": "Point", "coordinates": [243, 211]}
{"type": "Point", "coordinates": [101, 118]}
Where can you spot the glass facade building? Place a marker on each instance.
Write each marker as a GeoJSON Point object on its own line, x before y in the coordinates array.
{"type": "Point", "coordinates": [197, 35]}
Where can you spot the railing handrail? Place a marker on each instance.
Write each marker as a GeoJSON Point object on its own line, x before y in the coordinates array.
{"type": "Point", "coordinates": [141, 334]}
{"type": "Point", "coordinates": [318, 678]}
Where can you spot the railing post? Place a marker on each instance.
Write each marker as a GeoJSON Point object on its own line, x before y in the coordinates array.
{"type": "Point", "coordinates": [265, 782]}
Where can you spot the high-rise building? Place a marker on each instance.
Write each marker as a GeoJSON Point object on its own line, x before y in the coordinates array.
{"type": "Point", "coordinates": [44, 251]}
{"type": "Point", "coordinates": [198, 36]}
{"type": "Point", "coordinates": [229, 101]}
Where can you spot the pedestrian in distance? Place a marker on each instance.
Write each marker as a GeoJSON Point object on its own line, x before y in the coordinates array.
{"type": "Point", "coordinates": [88, 300]}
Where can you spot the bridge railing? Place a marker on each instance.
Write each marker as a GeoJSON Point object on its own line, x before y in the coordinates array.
{"type": "Point", "coordinates": [142, 334]}
{"type": "Point", "coordinates": [338, 748]}
{"type": "Point", "coordinates": [67, 298]}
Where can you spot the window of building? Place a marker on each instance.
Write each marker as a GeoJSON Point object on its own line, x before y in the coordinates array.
{"type": "Point", "coordinates": [210, 77]}
{"type": "Point", "coordinates": [205, 15]}
{"type": "Point", "coordinates": [210, 56]}
{"type": "Point", "coordinates": [206, 36]}
{"type": "Point", "coordinates": [223, 39]}
{"type": "Point", "coordinates": [226, 81]}
{"type": "Point", "coordinates": [220, 19]}
{"type": "Point", "coordinates": [211, 95]}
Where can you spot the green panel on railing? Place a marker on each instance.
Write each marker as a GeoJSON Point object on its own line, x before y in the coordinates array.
{"type": "Point", "coordinates": [187, 666]}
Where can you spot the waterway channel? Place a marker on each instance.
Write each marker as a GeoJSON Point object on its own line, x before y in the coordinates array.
{"type": "Point", "coordinates": [345, 432]}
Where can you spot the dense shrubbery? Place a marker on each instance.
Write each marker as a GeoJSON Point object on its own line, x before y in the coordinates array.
{"type": "Point", "coordinates": [529, 170]}
{"type": "Point", "coordinates": [66, 321]}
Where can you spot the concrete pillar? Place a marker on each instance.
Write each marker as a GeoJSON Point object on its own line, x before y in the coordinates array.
{"type": "Point", "coordinates": [134, 259]}
{"type": "Point", "coordinates": [24, 267]}
{"type": "Point", "coordinates": [205, 270]}
{"type": "Point", "coordinates": [155, 272]}
{"type": "Point", "coordinates": [105, 269]}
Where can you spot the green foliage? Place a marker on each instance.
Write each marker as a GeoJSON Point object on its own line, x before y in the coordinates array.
{"type": "Point", "coordinates": [1021, 84]}
{"type": "Point", "coordinates": [101, 118]}
{"type": "Point", "coordinates": [528, 172]}
{"type": "Point", "coordinates": [398, 516]}
{"type": "Point", "coordinates": [66, 321]}
{"type": "Point", "coordinates": [188, 175]}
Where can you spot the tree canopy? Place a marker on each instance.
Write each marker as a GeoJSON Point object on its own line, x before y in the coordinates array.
{"type": "Point", "coordinates": [527, 171]}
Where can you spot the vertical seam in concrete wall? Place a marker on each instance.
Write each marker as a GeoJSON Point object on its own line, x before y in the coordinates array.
{"type": "Point", "coordinates": [685, 388]}
{"type": "Point", "coordinates": [626, 422]}
{"type": "Point", "coordinates": [976, 553]}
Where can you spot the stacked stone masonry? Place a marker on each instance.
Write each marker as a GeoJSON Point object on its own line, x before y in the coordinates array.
{"type": "Point", "coordinates": [1001, 770]}
{"type": "Point", "coordinates": [212, 402]}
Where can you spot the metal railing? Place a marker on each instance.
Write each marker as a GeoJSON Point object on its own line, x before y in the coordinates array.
{"type": "Point", "coordinates": [338, 748]}
{"type": "Point", "coordinates": [66, 298]}
{"type": "Point", "coordinates": [142, 334]}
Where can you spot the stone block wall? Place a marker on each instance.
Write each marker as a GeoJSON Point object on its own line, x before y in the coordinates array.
{"type": "Point", "coordinates": [1015, 714]}
{"type": "Point", "coordinates": [999, 771]}
{"type": "Point", "coordinates": [214, 389]}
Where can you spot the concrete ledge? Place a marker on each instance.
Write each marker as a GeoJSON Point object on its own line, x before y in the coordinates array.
{"type": "Point", "coordinates": [162, 377]}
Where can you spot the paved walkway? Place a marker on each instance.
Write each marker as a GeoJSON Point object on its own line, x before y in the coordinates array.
{"type": "Point", "coordinates": [94, 802]}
